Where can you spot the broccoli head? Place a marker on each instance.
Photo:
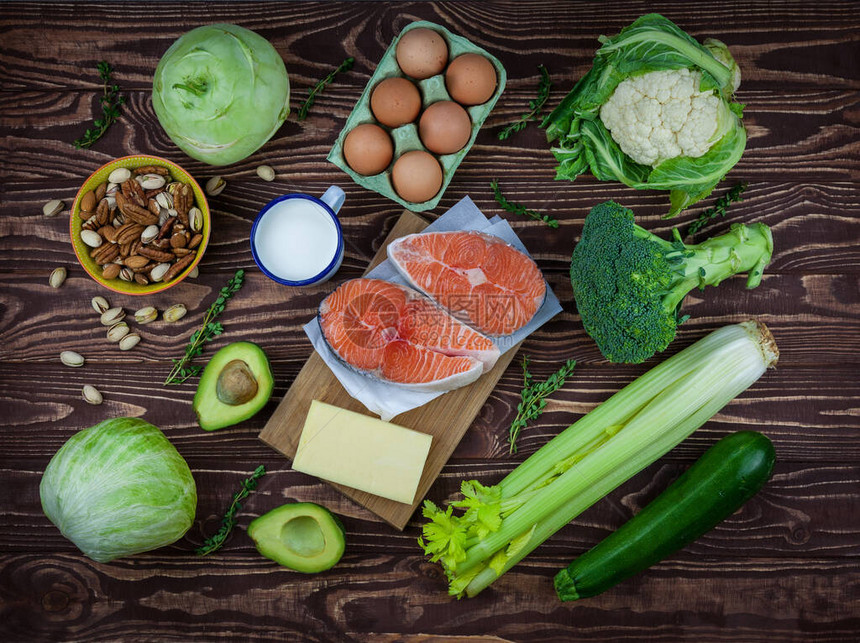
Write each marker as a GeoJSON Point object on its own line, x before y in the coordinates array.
{"type": "Point", "coordinates": [629, 284]}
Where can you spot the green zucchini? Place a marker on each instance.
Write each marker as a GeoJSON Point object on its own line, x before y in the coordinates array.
{"type": "Point", "coordinates": [717, 485]}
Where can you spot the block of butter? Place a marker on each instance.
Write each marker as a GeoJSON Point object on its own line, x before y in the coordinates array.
{"type": "Point", "coordinates": [362, 452]}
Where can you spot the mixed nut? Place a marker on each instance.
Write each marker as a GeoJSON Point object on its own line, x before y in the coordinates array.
{"type": "Point", "coordinates": [141, 225]}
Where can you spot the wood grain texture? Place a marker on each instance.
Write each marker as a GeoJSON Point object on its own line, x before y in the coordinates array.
{"type": "Point", "coordinates": [784, 568]}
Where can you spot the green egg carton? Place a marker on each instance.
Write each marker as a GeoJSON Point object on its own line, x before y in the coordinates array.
{"type": "Point", "coordinates": [405, 137]}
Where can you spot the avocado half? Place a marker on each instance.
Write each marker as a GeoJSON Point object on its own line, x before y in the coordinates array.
{"type": "Point", "coordinates": [236, 383]}
{"type": "Point", "coordinates": [303, 536]}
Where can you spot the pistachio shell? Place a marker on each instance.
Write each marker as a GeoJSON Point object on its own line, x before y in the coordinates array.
{"type": "Point", "coordinates": [129, 341]}
{"type": "Point", "coordinates": [151, 181]}
{"type": "Point", "coordinates": [164, 200]}
{"type": "Point", "coordinates": [117, 331]}
{"type": "Point", "coordinates": [149, 233]}
{"type": "Point", "coordinates": [58, 276]}
{"type": "Point", "coordinates": [195, 219]}
{"type": "Point", "coordinates": [195, 272]}
{"type": "Point", "coordinates": [100, 304]}
{"type": "Point", "coordinates": [91, 238]}
{"type": "Point", "coordinates": [112, 316]}
{"type": "Point", "coordinates": [146, 315]}
{"type": "Point", "coordinates": [53, 208]}
{"type": "Point", "coordinates": [215, 186]}
{"type": "Point", "coordinates": [266, 172]}
{"type": "Point", "coordinates": [157, 273]}
{"type": "Point", "coordinates": [71, 358]}
{"type": "Point", "coordinates": [119, 175]}
{"type": "Point", "coordinates": [175, 313]}
{"type": "Point", "coordinates": [91, 395]}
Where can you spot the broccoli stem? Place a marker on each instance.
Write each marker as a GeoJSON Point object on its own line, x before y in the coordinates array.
{"type": "Point", "coordinates": [745, 248]}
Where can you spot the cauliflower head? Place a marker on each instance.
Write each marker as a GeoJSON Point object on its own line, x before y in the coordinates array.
{"type": "Point", "coordinates": [662, 115]}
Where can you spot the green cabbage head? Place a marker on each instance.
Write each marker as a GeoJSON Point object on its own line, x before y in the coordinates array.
{"type": "Point", "coordinates": [119, 488]}
{"type": "Point", "coordinates": [220, 92]}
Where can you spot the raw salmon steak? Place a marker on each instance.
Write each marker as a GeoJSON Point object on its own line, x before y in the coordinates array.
{"type": "Point", "coordinates": [479, 278]}
{"type": "Point", "coordinates": [394, 333]}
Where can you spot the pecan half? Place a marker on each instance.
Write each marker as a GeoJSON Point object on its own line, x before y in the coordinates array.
{"type": "Point", "coordinates": [181, 252]}
{"type": "Point", "coordinates": [152, 169]}
{"type": "Point", "coordinates": [105, 253]}
{"type": "Point", "coordinates": [178, 267]}
{"type": "Point", "coordinates": [156, 254]}
{"type": "Point", "coordinates": [128, 233]}
{"type": "Point", "coordinates": [103, 212]}
{"type": "Point", "coordinates": [152, 206]}
{"type": "Point", "coordinates": [183, 199]}
{"type": "Point", "coordinates": [134, 212]}
{"type": "Point", "coordinates": [132, 191]}
{"type": "Point", "coordinates": [166, 228]}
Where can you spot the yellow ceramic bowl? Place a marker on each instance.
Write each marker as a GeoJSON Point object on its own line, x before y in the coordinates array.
{"type": "Point", "coordinates": [83, 251]}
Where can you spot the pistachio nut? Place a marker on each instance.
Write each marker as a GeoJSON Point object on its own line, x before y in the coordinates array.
{"type": "Point", "coordinates": [195, 219]}
{"type": "Point", "coordinates": [175, 313]}
{"type": "Point", "coordinates": [151, 181]}
{"type": "Point", "coordinates": [149, 233]}
{"type": "Point", "coordinates": [164, 200]}
{"type": "Point", "coordinates": [266, 172]}
{"type": "Point", "coordinates": [146, 315]}
{"type": "Point", "coordinates": [172, 212]}
{"type": "Point", "coordinates": [171, 187]}
{"type": "Point", "coordinates": [195, 272]}
{"type": "Point", "coordinates": [58, 276]}
{"type": "Point", "coordinates": [91, 238]}
{"type": "Point", "coordinates": [129, 341]}
{"type": "Point", "coordinates": [119, 175]}
{"type": "Point", "coordinates": [53, 208]}
{"type": "Point", "coordinates": [126, 274]}
{"type": "Point", "coordinates": [71, 358]}
{"type": "Point", "coordinates": [111, 189]}
{"type": "Point", "coordinates": [100, 304]}
{"type": "Point", "coordinates": [112, 316]}
{"type": "Point", "coordinates": [117, 331]}
{"type": "Point", "coordinates": [157, 273]}
{"type": "Point", "coordinates": [215, 186]}
{"type": "Point", "coordinates": [91, 395]}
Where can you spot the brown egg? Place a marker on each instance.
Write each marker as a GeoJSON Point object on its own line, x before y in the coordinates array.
{"type": "Point", "coordinates": [445, 127]}
{"type": "Point", "coordinates": [368, 149]}
{"type": "Point", "coordinates": [421, 53]}
{"type": "Point", "coordinates": [471, 79]}
{"type": "Point", "coordinates": [395, 102]}
{"type": "Point", "coordinates": [417, 176]}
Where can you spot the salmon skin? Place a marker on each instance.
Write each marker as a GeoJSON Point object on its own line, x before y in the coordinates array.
{"type": "Point", "coordinates": [479, 278]}
{"type": "Point", "coordinates": [395, 334]}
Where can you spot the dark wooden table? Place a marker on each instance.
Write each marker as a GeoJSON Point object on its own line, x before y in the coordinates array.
{"type": "Point", "coordinates": [785, 568]}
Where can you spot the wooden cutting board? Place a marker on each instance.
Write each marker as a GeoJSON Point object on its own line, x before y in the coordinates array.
{"type": "Point", "coordinates": [446, 418]}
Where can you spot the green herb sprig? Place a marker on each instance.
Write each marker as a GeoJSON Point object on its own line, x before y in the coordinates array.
{"type": "Point", "coordinates": [110, 102]}
{"type": "Point", "coordinates": [719, 210]}
{"type": "Point", "coordinates": [535, 106]}
{"type": "Point", "coordinates": [182, 369]}
{"type": "Point", "coordinates": [516, 208]}
{"type": "Point", "coordinates": [533, 397]}
{"type": "Point", "coordinates": [214, 543]}
{"type": "Point", "coordinates": [346, 65]}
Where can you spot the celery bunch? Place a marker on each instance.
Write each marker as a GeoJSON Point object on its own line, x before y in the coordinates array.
{"type": "Point", "coordinates": [502, 523]}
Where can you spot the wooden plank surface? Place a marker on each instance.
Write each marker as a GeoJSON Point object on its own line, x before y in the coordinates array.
{"type": "Point", "coordinates": [784, 568]}
{"type": "Point", "coordinates": [447, 418]}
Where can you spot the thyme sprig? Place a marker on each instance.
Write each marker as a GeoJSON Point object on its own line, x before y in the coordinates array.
{"type": "Point", "coordinates": [535, 106]}
{"type": "Point", "coordinates": [516, 208]}
{"type": "Point", "coordinates": [719, 210]}
{"type": "Point", "coordinates": [110, 102]}
{"type": "Point", "coordinates": [182, 369]}
{"type": "Point", "coordinates": [346, 65]}
{"type": "Point", "coordinates": [533, 397]}
{"type": "Point", "coordinates": [214, 543]}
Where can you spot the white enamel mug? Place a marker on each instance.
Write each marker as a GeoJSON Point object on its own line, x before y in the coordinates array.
{"type": "Point", "coordinates": [296, 239]}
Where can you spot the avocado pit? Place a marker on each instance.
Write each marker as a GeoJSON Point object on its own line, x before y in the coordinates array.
{"type": "Point", "coordinates": [236, 383]}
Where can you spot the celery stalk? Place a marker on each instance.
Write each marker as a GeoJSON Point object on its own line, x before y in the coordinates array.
{"type": "Point", "coordinates": [593, 456]}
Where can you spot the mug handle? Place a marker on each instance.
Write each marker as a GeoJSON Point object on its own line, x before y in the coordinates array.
{"type": "Point", "coordinates": [334, 198]}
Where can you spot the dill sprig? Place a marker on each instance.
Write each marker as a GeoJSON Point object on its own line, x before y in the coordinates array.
{"type": "Point", "coordinates": [110, 102]}
{"type": "Point", "coordinates": [214, 543]}
{"type": "Point", "coordinates": [346, 65]}
{"type": "Point", "coordinates": [533, 397]}
{"type": "Point", "coordinates": [182, 369]}
{"type": "Point", "coordinates": [516, 208]}
{"type": "Point", "coordinates": [534, 106]}
{"type": "Point", "coordinates": [719, 210]}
